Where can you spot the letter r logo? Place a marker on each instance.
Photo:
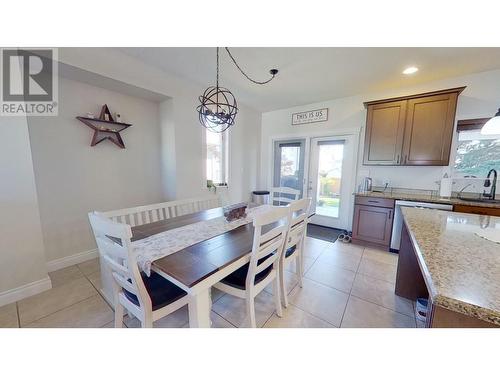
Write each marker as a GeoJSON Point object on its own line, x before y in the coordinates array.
{"type": "Point", "coordinates": [27, 75]}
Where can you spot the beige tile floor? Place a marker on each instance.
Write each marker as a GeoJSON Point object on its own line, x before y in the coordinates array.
{"type": "Point", "coordinates": [344, 286]}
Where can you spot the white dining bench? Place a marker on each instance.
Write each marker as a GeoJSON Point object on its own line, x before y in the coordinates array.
{"type": "Point", "coordinates": [141, 215]}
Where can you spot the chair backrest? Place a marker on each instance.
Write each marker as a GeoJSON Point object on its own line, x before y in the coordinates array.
{"type": "Point", "coordinates": [297, 221]}
{"type": "Point", "coordinates": [281, 196]}
{"type": "Point", "coordinates": [149, 214]}
{"type": "Point", "coordinates": [270, 229]}
{"type": "Point", "coordinates": [119, 259]}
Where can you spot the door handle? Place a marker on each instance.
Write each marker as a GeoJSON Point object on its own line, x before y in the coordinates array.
{"type": "Point", "coordinates": [397, 162]}
{"type": "Point", "coordinates": [406, 157]}
{"type": "Point", "coordinates": [390, 214]}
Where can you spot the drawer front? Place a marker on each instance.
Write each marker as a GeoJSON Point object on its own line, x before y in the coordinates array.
{"type": "Point", "coordinates": [478, 210]}
{"type": "Point", "coordinates": [374, 201]}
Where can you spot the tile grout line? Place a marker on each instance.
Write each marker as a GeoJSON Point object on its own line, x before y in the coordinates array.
{"type": "Point", "coordinates": [220, 316]}
{"type": "Point", "coordinates": [350, 294]}
{"type": "Point", "coordinates": [298, 286]}
{"type": "Point", "coordinates": [102, 297]}
{"type": "Point", "coordinates": [268, 319]}
{"type": "Point", "coordinates": [64, 308]}
{"type": "Point", "coordinates": [350, 291]}
{"type": "Point", "coordinates": [97, 290]}
{"type": "Point", "coordinates": [327, 286]}
{"type": "Point", "coordinates": [379, 305]}
{"type": "Point", "coordinates": [313, 315]}
{"type": "Point", "coordinates": [45, 316]}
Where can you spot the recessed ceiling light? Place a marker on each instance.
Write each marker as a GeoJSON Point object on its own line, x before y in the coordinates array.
{"type": "Point", "coordinates": [410, 70]}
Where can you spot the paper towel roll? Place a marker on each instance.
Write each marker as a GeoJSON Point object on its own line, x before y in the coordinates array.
{"type": "Point", "coordinates": [445, 188]}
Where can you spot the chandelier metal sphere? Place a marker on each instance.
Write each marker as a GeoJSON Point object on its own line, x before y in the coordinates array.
{"type": "Point", "coordinates": [218, 108]}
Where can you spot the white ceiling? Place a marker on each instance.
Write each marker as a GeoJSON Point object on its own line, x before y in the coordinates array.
{"type": "Point", "coordinates": [308, 75]}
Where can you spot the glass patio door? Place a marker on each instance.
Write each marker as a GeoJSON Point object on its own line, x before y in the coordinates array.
{"type": "Point", "coordinates": [330, 181]}
{"type": "Point", "coordinates": [289, 164]}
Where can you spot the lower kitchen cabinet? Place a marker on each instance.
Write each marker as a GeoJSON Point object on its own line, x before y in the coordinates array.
{"type": "Point", "coordinates": [372, 225]}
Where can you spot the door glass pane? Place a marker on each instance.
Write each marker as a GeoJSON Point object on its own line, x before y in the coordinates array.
{"type": "Point", "coordinates": [329, 178]}
{"type": "Point", "coordinates": [289, 164]}
{"type": "Point", "coordinates": [290, 167]}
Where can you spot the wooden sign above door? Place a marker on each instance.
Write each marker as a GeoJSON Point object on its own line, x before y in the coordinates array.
{"type": "Point", "coordinates": [308, 117]}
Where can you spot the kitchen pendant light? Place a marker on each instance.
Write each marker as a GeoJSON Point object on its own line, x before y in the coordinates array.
{"type": "Point", "coordinates": [218, 108]}
{"type": "Point", "coordinates": [492, 126]}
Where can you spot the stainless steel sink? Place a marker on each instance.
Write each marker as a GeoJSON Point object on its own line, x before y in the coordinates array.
{"type": "Point", "coordinates": [480, 200]}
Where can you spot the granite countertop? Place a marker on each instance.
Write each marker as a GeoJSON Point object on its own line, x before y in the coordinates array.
{"type": "Point", "coordinates": [430, 198]}
{"type": "Point", "coordinates": [461, 269]}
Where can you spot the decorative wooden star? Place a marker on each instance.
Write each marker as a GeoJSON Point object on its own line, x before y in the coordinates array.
{"type": "Point", "coordinates": [105, 127]}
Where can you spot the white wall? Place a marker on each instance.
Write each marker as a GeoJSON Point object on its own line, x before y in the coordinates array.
{"type": "Point", "coordinates": [73, 178]}
{"type": "Point", "coordinates": [181, 129]}
{"type": "Point", "coordinates": [21, 245]}
{"type": "Point", "coordinates": [164, 157]}
{"type": "Point", "coordinates": [244, 150]}
{"type": "Point", "coordinates": [481, 98]}
{"type": "Point", "coordinates": [168, 159]}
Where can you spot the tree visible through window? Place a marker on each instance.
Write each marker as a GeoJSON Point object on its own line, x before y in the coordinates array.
{"type": "Point", "coordinates": [476, 153]}
{"type": "Point", "coordinates": [216, 157]}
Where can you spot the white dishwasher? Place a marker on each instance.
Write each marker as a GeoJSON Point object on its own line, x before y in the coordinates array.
{"type": "Point", "coordinates": [397, 225]}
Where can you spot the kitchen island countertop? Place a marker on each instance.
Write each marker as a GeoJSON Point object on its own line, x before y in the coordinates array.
{"type": "Point", "coordinates": [460, 268]}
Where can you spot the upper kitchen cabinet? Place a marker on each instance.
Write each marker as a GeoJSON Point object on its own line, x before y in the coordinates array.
{"type": "Point", "coordinates": [411, 130]}
{"type": "Point", "coordinates": [384, 133]}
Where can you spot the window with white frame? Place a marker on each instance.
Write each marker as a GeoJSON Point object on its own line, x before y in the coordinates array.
{"type": "Point", "coordinates": [217, 160]}
{"type": "Point", "coordinates": [477, 153]}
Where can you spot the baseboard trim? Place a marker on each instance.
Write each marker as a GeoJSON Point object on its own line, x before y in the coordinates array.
{"type": "Point", "coordinates": [24, 291]}
{"type": "Point", "coordinates": [71, 260]}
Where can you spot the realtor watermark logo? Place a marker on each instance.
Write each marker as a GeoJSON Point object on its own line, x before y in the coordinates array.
{"type": "Point", "coordinates": [28, 83]}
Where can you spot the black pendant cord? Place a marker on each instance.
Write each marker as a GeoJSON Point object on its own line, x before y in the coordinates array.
{"type": "Point", "coordinates": [218, 108]}
{"type": "Point", "coordinates": [273, 72]}
{"type": "Point", "coordinates": [217, 79]}
{"type": "Point", "coordinates": [217, 82]}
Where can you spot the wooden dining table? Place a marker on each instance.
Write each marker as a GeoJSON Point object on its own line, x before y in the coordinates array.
{"type": "Point", "coordinates": [198, 267]}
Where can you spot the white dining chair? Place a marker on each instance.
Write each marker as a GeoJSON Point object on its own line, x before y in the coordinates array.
{"type": "Point", "coordinates": [248, 281]}
{"type": "Point", "coordinates": [293, 248]}
{"type": "Point", "coordinates": [147, 298]}
{"type": "Point", "coordinates": [281, 196]}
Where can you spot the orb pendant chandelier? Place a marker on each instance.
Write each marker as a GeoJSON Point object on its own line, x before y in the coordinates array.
{"type": "Point", "coordinates": [218, 108]}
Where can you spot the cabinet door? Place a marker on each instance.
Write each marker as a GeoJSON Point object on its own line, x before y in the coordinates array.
{"type": "Point", "coordinates": [384, 133]}
{"type": "Point", "coordinates": [429, 130]}
{"type": "Point", "coordinates": [372, 224]}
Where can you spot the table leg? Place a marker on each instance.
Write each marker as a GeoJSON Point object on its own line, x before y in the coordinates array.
{"type": "Point", "coordinates": [199, 309]}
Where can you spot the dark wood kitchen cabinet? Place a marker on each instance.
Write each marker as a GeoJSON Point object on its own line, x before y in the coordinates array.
{"type": "Point", "coordinates": [429, 129]}
{"type": "Point", "coordinates": [478, 210]}
{"type": "Point", "coordinates": [384, 133]}
{"type": "Point", "coordinates": [372, 223]}
{"type": "Point", "coordinates": [411, 130]}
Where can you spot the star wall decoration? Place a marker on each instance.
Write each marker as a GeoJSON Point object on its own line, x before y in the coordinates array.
{"type": "Point", "coordinates": [105, 127]}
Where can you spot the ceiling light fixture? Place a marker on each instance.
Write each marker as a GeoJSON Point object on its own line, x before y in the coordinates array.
{"type": "Point", "coordinates": [217, 110]}
{"type": "Point", "coordinates": [410, 70]}
{"type": "Point", "coordinates": [492, 126]}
